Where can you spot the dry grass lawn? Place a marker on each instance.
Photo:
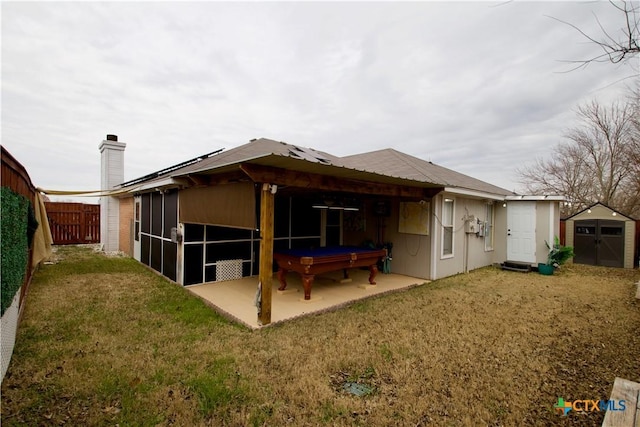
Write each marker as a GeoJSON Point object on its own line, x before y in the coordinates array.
{"type": "Point", "coordinates": [104, 341]}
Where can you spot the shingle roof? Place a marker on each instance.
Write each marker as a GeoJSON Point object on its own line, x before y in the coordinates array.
{"type": "Point", "coordinates": [387, 162]}
{"type": "Point", "coordinates": [394, 163]}
{"type": "Point", "coordinates": [258, 148]}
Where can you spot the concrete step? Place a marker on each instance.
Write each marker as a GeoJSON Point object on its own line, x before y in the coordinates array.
{"type": "Point", "coordinates": [522, 267]}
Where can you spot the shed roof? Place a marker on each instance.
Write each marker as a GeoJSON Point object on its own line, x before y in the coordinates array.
{"type": "Point", "coordinates": [602, 205]}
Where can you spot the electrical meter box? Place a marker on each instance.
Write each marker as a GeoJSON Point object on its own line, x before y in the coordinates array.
{"type": "Point", "coordinates": [482, 228]}
{"type": "Point", "coordinates": [471, 225]}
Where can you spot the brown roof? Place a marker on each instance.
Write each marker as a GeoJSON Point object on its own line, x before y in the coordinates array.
{"type": "Point", "coordinates": [257, 148]}
{"type": "Point", "coordinates": [376, 165]}
{"type": "Point", "coordinates": [394, 163]}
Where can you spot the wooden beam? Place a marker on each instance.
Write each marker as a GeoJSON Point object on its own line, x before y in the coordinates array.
{"type": "Point", "coordinates": [214, 179]}
{"type": "Point", "coordinates": [198, 179]}
{"type": "Point", "coordinates": [313, 181]}
{"type": "Point", "coordinates": [265, 273]}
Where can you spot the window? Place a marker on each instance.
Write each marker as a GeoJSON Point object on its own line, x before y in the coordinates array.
{"type": "Point", "coordinates": [447, 228]}
{"type": "Point", "coordinates": [136, 222]}
{"type": "Point", "coordinates": [488, 228]}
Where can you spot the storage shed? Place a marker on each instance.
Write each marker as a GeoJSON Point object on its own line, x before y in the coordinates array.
{"type": "Point", "coordinates": [601, 236]}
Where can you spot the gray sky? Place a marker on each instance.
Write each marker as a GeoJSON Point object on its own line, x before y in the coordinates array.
{"type": "Point", "coordinates": [476, 87]}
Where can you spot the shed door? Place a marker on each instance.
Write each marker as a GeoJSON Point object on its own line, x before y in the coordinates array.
{"type": "Point", "coordinates": [521, 232]}
{"type": "Point", "coordinates": [599, 242]}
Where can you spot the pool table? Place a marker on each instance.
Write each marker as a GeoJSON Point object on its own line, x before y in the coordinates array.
{"type": "Point", "coordinates": [309, 262]}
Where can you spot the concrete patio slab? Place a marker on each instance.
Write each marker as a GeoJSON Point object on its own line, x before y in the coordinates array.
{"type": "Point", "coordinates": [236, 298]}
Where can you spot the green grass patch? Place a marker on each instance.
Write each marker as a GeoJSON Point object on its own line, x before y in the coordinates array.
{"type": "Point", "coordinates": [218, 386]}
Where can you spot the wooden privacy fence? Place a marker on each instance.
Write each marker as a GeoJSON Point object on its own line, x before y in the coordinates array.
{"type": "Point", "coordinates": [74, 223]}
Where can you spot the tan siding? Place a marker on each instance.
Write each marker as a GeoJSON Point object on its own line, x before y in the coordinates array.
{"type": "Point", "coordinates": [477, 256]}
{"type": "Point", "coordinates": [629, 243]}
{"type": "Point", "coordinates": [500, 233]}
{"type": "Point", "coordinates": [126, 219]}
{"type": "Point", "coordinates": [570, 234]}
{"type": "Point", "coordinates": [411, 252]}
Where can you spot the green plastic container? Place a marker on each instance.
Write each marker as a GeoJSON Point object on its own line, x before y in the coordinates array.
{"type": "Point", "coordinates": [545, 269]}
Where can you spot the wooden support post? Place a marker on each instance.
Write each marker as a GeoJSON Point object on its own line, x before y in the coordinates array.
{"type": "Point", "coordinates": [266, 253]}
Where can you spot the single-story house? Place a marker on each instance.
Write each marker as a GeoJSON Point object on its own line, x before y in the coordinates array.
{"type": "Point", "coordinates": [601, 236]}
{"type": "Point", "coordinates": [205, 219]}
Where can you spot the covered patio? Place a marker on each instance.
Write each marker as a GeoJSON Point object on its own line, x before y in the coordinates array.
{"type": "Point", "coordinates": [236, 298]}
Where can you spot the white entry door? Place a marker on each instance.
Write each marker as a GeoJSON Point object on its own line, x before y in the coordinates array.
{"type": "Point", "coordinates": [521, 231]}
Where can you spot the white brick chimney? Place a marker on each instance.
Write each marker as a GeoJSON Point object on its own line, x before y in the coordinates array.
{"type": "Point", "coordinates": [111, 174]}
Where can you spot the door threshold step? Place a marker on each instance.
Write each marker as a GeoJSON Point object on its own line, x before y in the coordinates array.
{"type": "Point", "coordinates": [516, 266]}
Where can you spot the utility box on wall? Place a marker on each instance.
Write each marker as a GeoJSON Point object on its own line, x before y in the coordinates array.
{"type": "Point", "coordinates": [471, 225]}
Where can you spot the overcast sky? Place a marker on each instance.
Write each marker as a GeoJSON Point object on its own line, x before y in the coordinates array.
{"type": "Point", "coordinates": [477, 87]}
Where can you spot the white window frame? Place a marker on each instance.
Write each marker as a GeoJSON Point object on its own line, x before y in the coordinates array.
{"type": "Point", "coordinates": [447, 223]}
{"type": "Point", "coordinates": [490, 214]}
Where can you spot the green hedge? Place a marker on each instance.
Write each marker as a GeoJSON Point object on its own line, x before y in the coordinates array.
{"type": "Point", "coordinates": [14, 243]}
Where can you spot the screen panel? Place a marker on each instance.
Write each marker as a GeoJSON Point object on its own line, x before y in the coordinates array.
{"type": "Point", "coordinates": [193, 264]}
{"type": "Point", "coordinates": [169, 259]}
{"type": "Point", "coordinates": [156, 214]}
{"type": "Point", "coordinates": [145, 249]}
{"type": "Point", "coordinates": [170, 212]}
{"type": "Point", "coordinates": [146, 213]}
{"type": "Point", "coordinates": [156, 254]}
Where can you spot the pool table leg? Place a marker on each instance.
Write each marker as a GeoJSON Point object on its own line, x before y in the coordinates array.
{"type": "Point", "coordinates": [307, 281]}
{"type": "Point", "coordinates": [282, 279]}
{"type": "Point", "coordinates": [373, 271]}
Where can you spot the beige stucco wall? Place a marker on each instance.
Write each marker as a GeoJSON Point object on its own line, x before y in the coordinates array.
{"type": "Point", "coordinates": [500, 236]}
{"type": "Point", "coordinates": [547, 227]}
{"type": "Point", "coordinates": [602, 212]}
{"type": "Point", "coordinates": [468, 249]}
{"type": "Point", "coordinates": [411, 253]}
{"type": "Point", "coordinates": [126, 219]}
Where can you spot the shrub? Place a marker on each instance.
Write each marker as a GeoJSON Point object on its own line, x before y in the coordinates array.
{"type": "Point", "coordinates": [558, 255]}
{"type": "Point", "coordinates": [14, 243]}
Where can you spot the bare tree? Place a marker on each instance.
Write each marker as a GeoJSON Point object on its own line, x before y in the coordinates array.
{"type": "Point", "coordinates": [618, 47]}
{"type": "Point", "coordinates": [598, 162]}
